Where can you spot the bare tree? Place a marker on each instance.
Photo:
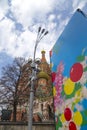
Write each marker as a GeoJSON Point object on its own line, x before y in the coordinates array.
{"type": "Point", "coordinates": [10, 89]}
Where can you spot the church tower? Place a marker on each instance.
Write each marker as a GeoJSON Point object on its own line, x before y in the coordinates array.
{"type": "Point", "coordinates": [44, 88]}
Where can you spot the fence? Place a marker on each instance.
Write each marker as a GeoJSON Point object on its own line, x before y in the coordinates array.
{"type": "Point", "coordinates": [24, 126]}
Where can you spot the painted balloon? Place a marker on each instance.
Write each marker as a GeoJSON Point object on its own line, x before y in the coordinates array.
{"type": "Point", "coordinates": [72, 126]}
{"type": "Point", "coordinates": [62, 118]}
{"type": "Point", "coordinates": [76, 72]}
{"type": "Point", "coordinates": [69, 87]}
{"type": "Point", "coordinates": [77, 118]}
{"type": "Point", "coordinates": [67, 114]}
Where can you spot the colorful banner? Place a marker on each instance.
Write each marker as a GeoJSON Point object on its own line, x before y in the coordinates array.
{"type": "Point", "coordinates": [69, 75]}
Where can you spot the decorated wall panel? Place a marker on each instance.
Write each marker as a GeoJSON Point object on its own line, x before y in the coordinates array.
{"type": "Point", "coordinates": [69, 75]}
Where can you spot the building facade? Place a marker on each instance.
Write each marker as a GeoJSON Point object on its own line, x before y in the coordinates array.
{"type": "Point", "coordinates": [43, 98]}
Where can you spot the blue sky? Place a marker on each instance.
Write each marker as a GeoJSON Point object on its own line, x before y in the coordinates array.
{"type": "Point", "coordinates": [71, 44]}
{"type": "Point", "coordinates": [19, 22]}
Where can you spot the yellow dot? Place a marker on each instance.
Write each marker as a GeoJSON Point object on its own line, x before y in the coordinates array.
{"type": "Point", "coordinates": [69, 87]}
{"type": "Point", "coordinates": [62, 118]}
{"type": "Point", "coordinates": [77, 118]}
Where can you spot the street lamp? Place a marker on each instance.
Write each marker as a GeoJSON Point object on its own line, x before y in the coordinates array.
{"type": "Point", "coordinates": [40, 35]}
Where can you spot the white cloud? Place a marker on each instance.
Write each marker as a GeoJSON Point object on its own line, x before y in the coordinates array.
{"type": "Point", "coordinates": [25, 43]}
{"type": "Point", "coordinates": [27, 11]}
{"type": "Point", "coordinates": [13, 44]}
{"type": "Point", "coordinates": [3, 8]}
{"type": "Point", "coordinates": [7, 37]}
{"type": "Point", "coordinates": [51, 17]}
{"type": "Point", "coordinates": [49, 14]}
{"type": "Point", "coordinates": [76, 4]}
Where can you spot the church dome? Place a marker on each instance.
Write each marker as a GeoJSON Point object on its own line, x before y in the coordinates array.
{"type": "Point", "coordinates": [43, 74]}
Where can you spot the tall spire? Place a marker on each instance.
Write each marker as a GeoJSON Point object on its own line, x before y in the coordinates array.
{"type": "Point", "coordinates": [43, 59]}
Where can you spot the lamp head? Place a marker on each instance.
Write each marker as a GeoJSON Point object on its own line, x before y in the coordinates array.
{"type": "Point", "coordinates": [46, 33]}
{"type": "Point", "coordinates": [43, 30]}
{"type": "Point", "coordinates": [39, 29]}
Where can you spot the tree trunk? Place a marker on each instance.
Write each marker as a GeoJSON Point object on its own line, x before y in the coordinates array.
{"type": "Point", "coordinates": [14, 111]}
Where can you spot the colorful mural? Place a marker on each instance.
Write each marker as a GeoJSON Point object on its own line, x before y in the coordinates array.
{"type": "Point", "coordinates": [69, 75]}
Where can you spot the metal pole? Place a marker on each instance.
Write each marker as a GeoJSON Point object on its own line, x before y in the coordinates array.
{"type": "Point", "coordinates": [31, 102]}
{"type": "Point", "coordinates": [41, 34]}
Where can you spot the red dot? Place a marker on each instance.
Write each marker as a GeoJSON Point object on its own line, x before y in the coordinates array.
{"type": "Point", "coordinates": [76, 72]}
{"type": "Point", "coordinates": [72, 126]}
{"type": "Point", "coordinates": [67, 114]}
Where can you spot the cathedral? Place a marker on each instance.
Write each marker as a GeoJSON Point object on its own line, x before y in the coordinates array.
{"type": "Point", "coordinates": [43, 97]}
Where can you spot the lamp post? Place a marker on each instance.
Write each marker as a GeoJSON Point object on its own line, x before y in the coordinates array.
{"type": "Point", "coordinates": [40, 35]}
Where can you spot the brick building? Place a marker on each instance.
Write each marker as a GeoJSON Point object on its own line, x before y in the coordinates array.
{"type": "Point", "coordinates": [43, 99]}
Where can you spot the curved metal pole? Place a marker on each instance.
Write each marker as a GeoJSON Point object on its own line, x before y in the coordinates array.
{"type": "Point", "coordinates": [35, 49]}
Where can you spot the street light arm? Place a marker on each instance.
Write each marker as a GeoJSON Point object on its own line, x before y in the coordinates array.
{"type": "Point", "coordinates": [39, 29]}
{"type": "Point", "coordinates": [36, 44]}
{"type": "Point", "coordinates": [37, 41]}
{"type": "Point", "coordinates": [40, 35]}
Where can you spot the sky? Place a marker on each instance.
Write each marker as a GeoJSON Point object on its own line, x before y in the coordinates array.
{"type": "Point", "coordinates": [72, 44]}
{"type": "Point", "coordinates": [20, 20]}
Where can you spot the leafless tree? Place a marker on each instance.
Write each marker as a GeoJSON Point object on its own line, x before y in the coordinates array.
{"type": "Point", "coordinates": [10, 89]}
